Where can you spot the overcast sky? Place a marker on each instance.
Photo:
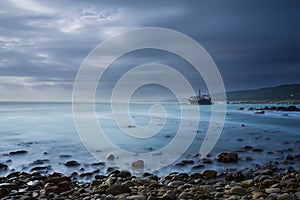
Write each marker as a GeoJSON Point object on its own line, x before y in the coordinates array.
{"type": "Point", "coordinates": [43, 43]}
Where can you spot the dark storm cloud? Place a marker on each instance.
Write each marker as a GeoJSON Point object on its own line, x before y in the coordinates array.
{"type": "Point", "coordinates": [254, 43]}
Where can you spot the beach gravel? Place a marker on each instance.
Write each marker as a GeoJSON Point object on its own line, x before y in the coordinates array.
{"type": "Point", "coordinates": [268, 182]}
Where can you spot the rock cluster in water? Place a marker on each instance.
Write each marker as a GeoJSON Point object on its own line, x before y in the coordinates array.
{"type": "Point", "coordinates": [274, 108]}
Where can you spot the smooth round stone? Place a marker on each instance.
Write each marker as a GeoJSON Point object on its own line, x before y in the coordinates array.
{"type": "Point", "coordinates": [286, 196]}
{"type": "Point", "coordinates": [248, 183]}
{"type": "Point", "coordinates": [272, 190]}
{"type": "Point", "coordinates": [169, 195]}
{"type": "Point", "coordinates": [176, 183]}
{"type": "Point", "coordinates": [238, 190]}
{"type": "Point", "coordinates": [136, 197]}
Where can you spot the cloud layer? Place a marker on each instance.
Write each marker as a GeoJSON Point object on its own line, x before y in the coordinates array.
{"type": "Point", "coordinates": [43, 43]}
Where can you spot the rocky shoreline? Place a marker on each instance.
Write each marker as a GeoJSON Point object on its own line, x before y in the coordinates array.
{"type": "Point", "coordinates": [274, 108]}
{"type": "Point", "coordinates": [264, 182]}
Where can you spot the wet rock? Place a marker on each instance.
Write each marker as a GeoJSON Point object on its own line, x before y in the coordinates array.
{"type": "Point", "coordinates": [3, 166]}
{"type": "Point", "coordinates": [169, 195]}
{"type": "Point", "coordinates": [248, 158]}
{"type": "Point", "coordinates": [9, 186]}
{"type": "Point", "coordinates": [273, 196]}
{"type": "Point", "coordinates": [188, 162]}
{"type": "Point", "coordinates": [176, 184]}
{"type": "Point", "coordinates": [59, 188]}
{"type": "Point", "coordinates": [227, 157]}
{"type": "Point", "coordinates": [40, 168]}
{"type": "Point", "coordinates": [292, 184]}
{"type": "Point", "coordinates": [98, 164]}
{"type": "Point", "coordinates": [4, 192]}
{"type": "Point", "coordinates": [110, 169]}
{"type": "Point", "coordinates": [18, 152]}
{"type": "Point", "coordinates": [236, 176]}
{"type": "Point", "coordinates": [138, 164]}
{"type": "Point", "coordinates": [185, 195]}
{"type": "Point", "coordinates": [180, 164]}
{"type": "Point", "coordinates": [124, 174]}
{"type": "Point", "coordinates": [247, 183]}
{"type": "Point", "coordinates": [39, 162]}
{"type": "Point", "coordinates": [258, 195]}
{"type": "Point", "coordinates": [136, 197]}
{"type": "Point", "coordinates": [265, 172]}
{"type": "Point", "coordinates": [209, 174]}
{"type": "Point", "coordinates": [181, 177]}
{"type": "Point", "coordinates": [86, 175]}
{"type": "Point", "coordinates": [72, 163]}
{"type": "Point", "coordinates": [286, 196]}
{"type": "Point", "coordinates": [110, 197]}
{"type": "Point", "coordinates": [260, 112]}
{"type": "Point", "coordinates": [219, 194]}
{"type": "Point", "coordinates": [267, 183]}
{"type": "Point", "coordinates": [289, 157]}
{"type": "Point", "coordinates": [110, 157]}
{"type": "Point", "coordinates": [238, 190]}
{"type": "Point", "coordinates": [272, 190]}
{"type": "Point", "coordinates": [114, 172]}
{"type": "Point", "coordinates": [52, 189]}
{"type": "Point", "coordinates": [198, 167]}
{"type": "Point", "coordinates": [65, 156]}
{"type": "Point", "coordinates": [257, 150]}
{"type": "Point", "coordinates": [206, 161]}
{"type": "Point", "coordinates": [110, 181]}
{"type": "Point", "coordinates": [64, 186]}
{"type": "Point", "coordinates": [57, 180]}
{"type": "Point", "coordinates": [248, 147]}
{"type": "Point", "coordinates": [117, 189]}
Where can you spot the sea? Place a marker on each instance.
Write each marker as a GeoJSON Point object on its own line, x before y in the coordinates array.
{"type": "Point", "coordinates": [50, 136]}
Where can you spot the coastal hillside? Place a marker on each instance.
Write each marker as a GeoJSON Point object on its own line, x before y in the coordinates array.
{"type": "Point", "coordinates": [279, 93]}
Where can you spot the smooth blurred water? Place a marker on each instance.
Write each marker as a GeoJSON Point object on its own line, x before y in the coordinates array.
{"type": "Point", "coordinates": [47, 131]}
